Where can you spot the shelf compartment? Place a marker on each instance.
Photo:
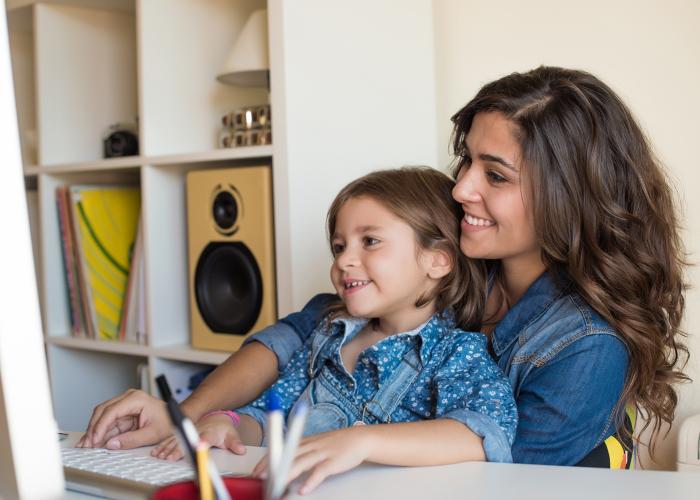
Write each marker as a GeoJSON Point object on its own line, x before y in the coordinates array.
{"type": "Point", "coordinates": [82, 379]}
{"type": "Point", "coordinates": [85, 79]}
{"type": "Point", "coordinates": [56, 313]}
{"type": "Point", "coordinates": [183, 46]}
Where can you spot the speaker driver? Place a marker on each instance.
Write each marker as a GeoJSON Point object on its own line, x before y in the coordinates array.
{"type": "Point", "coordinates": [228, 287]}
{"type": "Point", "coordinates": [225, 210]}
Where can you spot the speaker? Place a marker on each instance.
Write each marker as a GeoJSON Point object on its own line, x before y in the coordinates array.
{"type": "Point", "coordinates": [231, 256]}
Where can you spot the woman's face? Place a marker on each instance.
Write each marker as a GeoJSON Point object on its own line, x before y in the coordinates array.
{"type": "Point", "coordinates": [492, 187]}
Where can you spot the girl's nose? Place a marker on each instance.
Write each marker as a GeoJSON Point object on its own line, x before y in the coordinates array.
{"type": "Point", "coordinates": [347, 259]}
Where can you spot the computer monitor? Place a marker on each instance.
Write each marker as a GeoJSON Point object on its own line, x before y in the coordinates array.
{"type": "Point", "coordinates": [30, 461]}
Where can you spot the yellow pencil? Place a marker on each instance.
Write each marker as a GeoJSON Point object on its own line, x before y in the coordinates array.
{"type": "Point", "coordinates": [206, 491]}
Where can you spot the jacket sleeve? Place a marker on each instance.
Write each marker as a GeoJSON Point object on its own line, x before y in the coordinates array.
{"type": "Point", "coordinates": [568, 405]}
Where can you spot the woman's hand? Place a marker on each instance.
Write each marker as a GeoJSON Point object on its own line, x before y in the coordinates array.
{"type": "Point", "coordinates": [324, 455]}
{"type": "Point", "coordinates": [129, 420]}
{"type": "Point", "coordinates": [217, 430]}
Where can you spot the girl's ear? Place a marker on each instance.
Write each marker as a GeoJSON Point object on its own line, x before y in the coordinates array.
{"type": "Point", "coordinates": [439, 264]}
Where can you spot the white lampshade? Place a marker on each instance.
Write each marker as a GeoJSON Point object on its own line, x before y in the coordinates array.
{"type": "Point", "coordinates": [247, 64]}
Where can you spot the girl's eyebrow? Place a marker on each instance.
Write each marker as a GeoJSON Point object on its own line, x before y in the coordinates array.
{"type": "Point", "coordinates": [497, 159]}
{"type": "Point", "coordinates": [364, 229]}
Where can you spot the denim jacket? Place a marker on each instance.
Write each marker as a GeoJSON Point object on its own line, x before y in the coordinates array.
{"type": "Point", "coordinates": [433, 371]}
{"type": "Point", "coordinates": [566, 364]}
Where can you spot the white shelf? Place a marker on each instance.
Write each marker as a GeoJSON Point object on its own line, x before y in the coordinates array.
{"type": "Point", "coordinates": [100, 345]}
{"type": "Point", "coordinates": [242, 153]}
{"type": "Point", "coordinates": [184, 352]}
{"type": "Point", "coordinates": [217, 155]}
{"type": "Point", "coordinates": [178, 352]}
{"type": "Point", "coordinates": [115, 5]}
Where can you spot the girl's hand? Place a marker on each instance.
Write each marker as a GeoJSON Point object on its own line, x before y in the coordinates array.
{"type": "Point", "coordinates": [217, 430]}
{"type": "Point", "coordinates": [324, 455]}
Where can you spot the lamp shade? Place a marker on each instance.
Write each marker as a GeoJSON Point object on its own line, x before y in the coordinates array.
{"type": "Point", "coordinates": [247, 64]}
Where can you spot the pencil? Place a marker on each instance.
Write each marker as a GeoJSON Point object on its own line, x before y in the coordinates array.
{"type": "Point", "coordinates": [205, 488]}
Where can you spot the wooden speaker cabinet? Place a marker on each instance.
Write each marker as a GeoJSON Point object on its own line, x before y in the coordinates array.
{"type": "Point", "coordinates": [231, 255]}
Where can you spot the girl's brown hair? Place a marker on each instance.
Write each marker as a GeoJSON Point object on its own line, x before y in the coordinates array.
{"type": "Point", "coordinates": [604, 214]}
{"type": "Point", "coordinates": [422, 197]}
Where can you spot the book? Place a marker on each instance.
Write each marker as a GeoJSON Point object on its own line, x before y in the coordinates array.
{"type": "Point", "coordinates": [130, 309]}
{"type": "Point", "coordinates": [77, 321]}
{"type": "Point", "coordinates": [105, 219]}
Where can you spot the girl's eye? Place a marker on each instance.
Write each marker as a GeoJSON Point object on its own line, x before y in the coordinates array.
{"type": "Point", "coordinates": [495, 177]}
{"type": "Point", "coordinates": [337, 248]}
{"type": "Point", "coordinates": [369, 241]}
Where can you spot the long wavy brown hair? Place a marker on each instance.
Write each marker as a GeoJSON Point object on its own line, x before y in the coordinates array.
{"type": "Point", "coordinates": [604, 215]}
{"type": "Point", "coordinates": [422, 197]}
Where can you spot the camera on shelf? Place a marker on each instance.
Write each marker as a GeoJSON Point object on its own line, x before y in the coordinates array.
{"type": "Point", "coordinates": [121, 139]}
{"type": "Point", "coordinates": [249, 126]}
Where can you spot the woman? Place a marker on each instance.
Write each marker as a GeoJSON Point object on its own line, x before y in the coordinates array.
{"type": "Point", "coordinates": [574, 216]}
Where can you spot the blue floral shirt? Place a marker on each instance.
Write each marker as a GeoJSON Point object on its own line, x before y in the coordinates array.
{"type": "Point", "coordinates": [456, 378]}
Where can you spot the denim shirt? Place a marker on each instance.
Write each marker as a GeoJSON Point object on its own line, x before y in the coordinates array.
{"type": "Point", "coordinates": [567, 367]}
{"type": "Point", "coordinates": [433, 371]}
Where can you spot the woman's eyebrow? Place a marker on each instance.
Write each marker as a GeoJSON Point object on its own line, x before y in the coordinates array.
{"type": "Point", "coordinates": [497, 159]}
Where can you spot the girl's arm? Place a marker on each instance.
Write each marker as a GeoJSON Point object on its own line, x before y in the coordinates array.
{"type": "Point", "coordinates": [432, 442]}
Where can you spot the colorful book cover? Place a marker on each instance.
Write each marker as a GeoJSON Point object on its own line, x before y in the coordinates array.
{"type": "Point", "coordinates": [106, 218]}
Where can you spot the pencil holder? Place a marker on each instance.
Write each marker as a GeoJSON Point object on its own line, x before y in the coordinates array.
{"type": "Point", "coordinates": [240, 488]}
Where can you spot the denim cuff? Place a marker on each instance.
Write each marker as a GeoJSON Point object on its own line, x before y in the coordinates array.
{"type": "Point", "coordinates": [281, 339]}
{"type": "Point", "coordinates": [496, 443]}
{"type": "Point", "coordinates": [259, 416]}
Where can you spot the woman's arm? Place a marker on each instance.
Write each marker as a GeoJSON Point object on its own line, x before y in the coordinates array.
{"type": "Point", "coordinates": [135, 418]}
{"type": "Point", "coordinates": [567, 405]}
{"type": "Point", "coordinates": [247, 373]}
{"type": "Point", "coordinates": [237, 381]}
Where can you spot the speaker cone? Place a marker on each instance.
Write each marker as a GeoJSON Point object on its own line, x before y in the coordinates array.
{"type": "Point", "coordinates": [225, 210]}
{"type": "Point", "coordinates": [228, 287]}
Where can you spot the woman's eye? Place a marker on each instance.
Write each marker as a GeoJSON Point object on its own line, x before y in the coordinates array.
{"type": "Point", "coordinates": [495, 177]}
{"type": "Point", "coordinates": [337, 248]}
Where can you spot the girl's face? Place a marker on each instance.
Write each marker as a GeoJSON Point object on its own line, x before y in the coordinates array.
{"type": "Point", "coordinates": [378, 269]}
{"type": "Point", "coordinates": [491, 187]}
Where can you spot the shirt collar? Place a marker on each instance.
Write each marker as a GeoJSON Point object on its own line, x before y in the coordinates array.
{"type": "Point", "coordinates": [538, 298]}
{"type": "Point", "coordinates": [426, 333]}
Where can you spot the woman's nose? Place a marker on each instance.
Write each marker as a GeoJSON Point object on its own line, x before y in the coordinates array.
{"type": "Point", "coordinates": [467, 188]}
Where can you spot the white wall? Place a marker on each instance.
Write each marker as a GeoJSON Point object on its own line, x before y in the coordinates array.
{"type": "Point", "coordinates": [647, 50]}
{"type": "Point", "coordinates": [355, 92]}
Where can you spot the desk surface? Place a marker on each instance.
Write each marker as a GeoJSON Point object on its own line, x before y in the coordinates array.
{"type": "Point", "coordinates": [482, 481]}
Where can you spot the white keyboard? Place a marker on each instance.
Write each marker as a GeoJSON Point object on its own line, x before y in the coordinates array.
{"type": "Point", "coordinates": [126, 465]}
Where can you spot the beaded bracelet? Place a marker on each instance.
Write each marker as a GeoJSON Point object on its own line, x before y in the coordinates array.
{"type": "Point", "coordinates": [231, 414]}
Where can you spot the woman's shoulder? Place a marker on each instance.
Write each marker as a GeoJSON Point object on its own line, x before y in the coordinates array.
{"type": "Point", "coordinates": [568, 320]}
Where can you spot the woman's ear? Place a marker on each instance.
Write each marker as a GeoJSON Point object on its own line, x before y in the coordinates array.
{"type": "Point", "coordinates": [439, 264]}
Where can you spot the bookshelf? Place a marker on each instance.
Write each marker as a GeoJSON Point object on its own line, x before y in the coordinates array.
{"type": "Point", "coordinates": [351, 89]}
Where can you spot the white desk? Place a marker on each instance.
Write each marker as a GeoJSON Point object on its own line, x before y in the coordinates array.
{"type": "Point", "coordinates": [483, 481]}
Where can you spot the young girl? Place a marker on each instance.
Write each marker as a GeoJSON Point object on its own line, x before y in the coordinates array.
{"type": "Point", "coordinates": [394, 348]}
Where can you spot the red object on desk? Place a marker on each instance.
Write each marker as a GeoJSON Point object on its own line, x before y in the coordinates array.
{"type": "Point", "coordinates": [240, 488]}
